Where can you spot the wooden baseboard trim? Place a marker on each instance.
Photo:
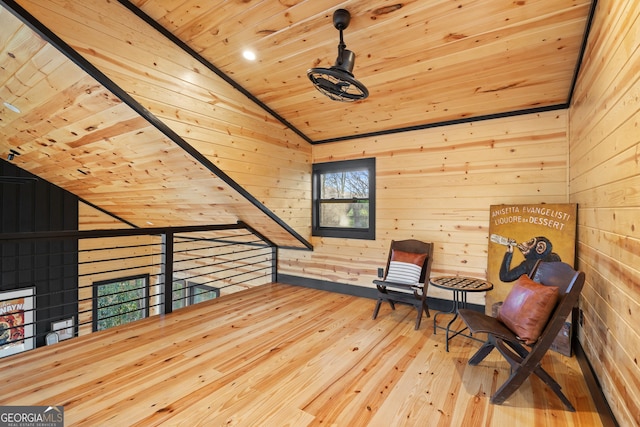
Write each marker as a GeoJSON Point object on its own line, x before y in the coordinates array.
{"type": "Point", "coordinates": [437, 304]}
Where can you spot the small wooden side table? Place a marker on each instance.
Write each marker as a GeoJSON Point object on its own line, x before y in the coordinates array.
{"type": "Point", "coordinates": [460, 285]}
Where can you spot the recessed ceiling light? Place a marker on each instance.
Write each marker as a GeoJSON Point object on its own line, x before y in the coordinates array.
{"type": "Point", "coordinates": [11, 107]}
{"type": "Point", "coordinates": [249, 55]}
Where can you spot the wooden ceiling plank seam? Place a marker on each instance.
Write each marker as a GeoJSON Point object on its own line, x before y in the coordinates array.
{"type": "Point", "coordinates": [491, 36]}
{"type": "Point", "coordinates": [9, 28]}
{"type": "Point", "coordinates": [447, 123]}
{"type": "Point", "coordinates": [450, 55]}
{"type": "Point", "coordinates": [90, 69]}
{"type": "Point", "coordinates": [271, 33]}
{"type": "Point", "coordinates": [173, 13]}
{"type": "Point", "coordinates": [253, 141]}
{"type": "Point", "coordinates": [221, 19]}
{"type": "Point", "coordinates": [210, 66]}
{"type": "Point", "coordinates": [169, 82]}
{"type": "Point", "coordinates": [14, 50]}
{"type": "Point", "coordinates": [517, 92]}
{"type": "Point", "coordinates": [106, 212]}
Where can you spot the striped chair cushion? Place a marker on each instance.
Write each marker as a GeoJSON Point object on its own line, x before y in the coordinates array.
{"type": "Point", "coordinates": [405, 267]}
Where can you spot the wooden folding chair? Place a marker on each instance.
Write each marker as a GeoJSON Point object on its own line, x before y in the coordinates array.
{"type": "Point", "coordinates": [399, 286]}
{"type": "Point", "coordinates": [525, 359]}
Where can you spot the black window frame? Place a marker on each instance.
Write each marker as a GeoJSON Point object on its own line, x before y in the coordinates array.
{"type": "Point", "coordinates": [198, 290]}
{"type": "Point", "coordinates": [368, 164]}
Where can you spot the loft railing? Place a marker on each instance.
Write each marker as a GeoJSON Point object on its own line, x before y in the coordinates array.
{"type": "Point", "coordinates": [58, 285]}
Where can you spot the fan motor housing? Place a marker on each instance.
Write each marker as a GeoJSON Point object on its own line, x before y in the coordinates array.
{"type": "Point", "coordinates": [341, 19]}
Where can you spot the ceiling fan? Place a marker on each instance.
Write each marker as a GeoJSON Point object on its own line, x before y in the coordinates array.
{"type": "Point", "coordinates": [338, 82]}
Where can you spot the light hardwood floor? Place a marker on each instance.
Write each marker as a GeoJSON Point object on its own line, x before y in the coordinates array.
{"type": "Point", "coordinates": [279, 355]}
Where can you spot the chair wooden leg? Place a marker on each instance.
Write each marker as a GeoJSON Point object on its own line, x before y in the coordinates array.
{"type": "Point", "coordinates": [482, 352]}
{"type": "Point", "coordinates": [553, 385]}
{"type": "Point", "coordinates": [377, 309]}
{"type": "Point", "coordinates": [519, 375]}
{"type": "Point", "coordinates": [425, 307]}
{"type": "Point", "coordinates": [419, 318]}
{"type": "Point", "coordinates": [514, 382]}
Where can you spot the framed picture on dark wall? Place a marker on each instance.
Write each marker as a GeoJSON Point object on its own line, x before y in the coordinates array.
{"type": "Point", "coordinates": [17, 319]}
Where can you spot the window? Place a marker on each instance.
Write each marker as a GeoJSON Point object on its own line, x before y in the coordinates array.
{"type": "Point", "coordinates": [179, 298]}
{"type": "Point", "coordinates": [188, 293]}
{"type": "Point", "coordinates": [119, 301]}
{"type": "Point", "coordinates": [344, 199]}
{"type": "Point", "coordinates": [200, 293]}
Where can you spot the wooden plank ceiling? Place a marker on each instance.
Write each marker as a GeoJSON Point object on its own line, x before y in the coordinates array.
{"type": "Point", "coordinates": [424, 62]}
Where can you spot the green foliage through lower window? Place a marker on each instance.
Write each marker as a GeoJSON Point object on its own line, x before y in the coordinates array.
{"type": "Point", "coordinates": [121, 302]}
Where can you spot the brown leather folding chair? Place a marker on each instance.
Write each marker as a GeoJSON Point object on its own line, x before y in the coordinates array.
{"type": "Point", "coordinates": [525, 359]}
{"type": "Point", "coordinates": [398, 286]}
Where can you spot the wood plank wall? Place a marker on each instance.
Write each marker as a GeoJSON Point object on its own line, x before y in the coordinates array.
{"type": "Point", "coordinates": [437, 185]}
{"type": "Point", "coordinates": [604, 181]}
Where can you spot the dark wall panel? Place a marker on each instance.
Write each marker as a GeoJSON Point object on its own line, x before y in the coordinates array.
{"type": "Point", "coordinates": [31, 204]}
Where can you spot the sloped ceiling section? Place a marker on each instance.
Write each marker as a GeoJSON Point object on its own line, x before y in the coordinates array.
{"type": "Point", "coordinates": [74, 132]}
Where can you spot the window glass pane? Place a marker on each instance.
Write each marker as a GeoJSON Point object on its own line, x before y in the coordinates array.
{"type": "Point", "coordinates": [345, 215]}
{"type": "Point", "coordinates": [344, 185]}
{"type": "Point", "coordinates": [179, 298]}
{"type": "Point", "coordinates": [203, 293]}
{"type": "Point", "coordinates": [121, 302]}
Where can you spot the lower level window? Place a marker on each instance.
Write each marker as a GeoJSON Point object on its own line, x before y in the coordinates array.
{"type": "Point", "coordinates": [187, 293]}
{"type": "Point", "coordinates": [120, 301]}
